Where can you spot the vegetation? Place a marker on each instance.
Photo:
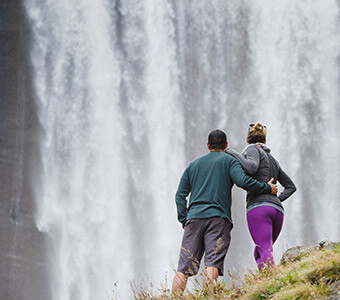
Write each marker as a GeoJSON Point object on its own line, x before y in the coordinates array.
{"type": "Point", "coordinates": [309, 275]}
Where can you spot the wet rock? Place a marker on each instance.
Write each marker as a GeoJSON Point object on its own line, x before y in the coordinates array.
{"type": "Point", "coordinates": [295, 253]}
{"type": "Point", "coordinates": [328, 245]}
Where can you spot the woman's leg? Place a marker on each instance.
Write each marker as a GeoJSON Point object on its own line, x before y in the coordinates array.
{"type": "Point", "coordinates": [260, 226]}
{"type": "Point", "coordinates": [277, 225]}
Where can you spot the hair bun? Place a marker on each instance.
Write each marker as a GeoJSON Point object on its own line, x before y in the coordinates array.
{"type": "Point", "coordinates": [258, 127]}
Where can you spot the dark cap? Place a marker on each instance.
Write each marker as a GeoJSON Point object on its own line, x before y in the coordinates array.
{"type": "Point", "coordinates": [217, 139]}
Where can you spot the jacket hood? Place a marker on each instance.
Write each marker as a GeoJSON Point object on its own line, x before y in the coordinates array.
{"type": "Point", "coordinates": [263, 146]}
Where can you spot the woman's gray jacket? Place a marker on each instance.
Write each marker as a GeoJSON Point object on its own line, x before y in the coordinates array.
{"type": "Point", "coordinates": [261, 165]}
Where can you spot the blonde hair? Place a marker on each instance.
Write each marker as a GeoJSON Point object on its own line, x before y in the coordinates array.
{"type": "Point", "coordinates": [256, 133]}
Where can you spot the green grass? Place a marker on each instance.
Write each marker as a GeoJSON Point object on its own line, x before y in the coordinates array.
{"type": "Point", "coordinates": [309, 277]}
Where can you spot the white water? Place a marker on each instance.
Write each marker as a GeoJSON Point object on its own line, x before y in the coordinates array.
{"type": "Point", "coordinates": [127, 92]}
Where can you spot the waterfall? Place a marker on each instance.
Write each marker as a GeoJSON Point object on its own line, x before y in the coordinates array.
{"type": "Point", "coordinates": [295, 52]}
{"type": "Point", "coordinates": [127, 92]}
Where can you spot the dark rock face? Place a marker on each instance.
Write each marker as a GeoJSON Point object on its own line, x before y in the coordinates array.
{"type": "Point", "coordinates": [23, 270]}
{"type": "Point", "coordinates": [295, 253]}
{"type": "Point", "coordinates": [327, 245]}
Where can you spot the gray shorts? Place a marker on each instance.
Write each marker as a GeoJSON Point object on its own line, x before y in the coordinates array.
{"type": "Point", "coordinates": [210, 236]}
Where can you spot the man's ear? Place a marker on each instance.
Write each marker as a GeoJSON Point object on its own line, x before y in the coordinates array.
{"type": "Point", "coordinates": [226, 145]}
{"type": "Point", "coordinates": [208, 145]}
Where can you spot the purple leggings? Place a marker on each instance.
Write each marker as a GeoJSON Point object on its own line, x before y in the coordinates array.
{"type": "Point", "coordinates": [264, 223]}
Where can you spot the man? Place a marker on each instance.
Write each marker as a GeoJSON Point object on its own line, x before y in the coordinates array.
{"type": "Point", "coordinates": [207, 219]}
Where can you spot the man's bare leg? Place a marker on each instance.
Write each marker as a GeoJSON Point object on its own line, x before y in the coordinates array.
{"type": "Point", "coordinates": [211, 275]}
{"type": "Point", "coordinates": [179, 283]}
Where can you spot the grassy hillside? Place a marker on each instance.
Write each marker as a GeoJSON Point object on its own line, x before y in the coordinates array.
{"type": "Point", "coordinates": [305, 273]}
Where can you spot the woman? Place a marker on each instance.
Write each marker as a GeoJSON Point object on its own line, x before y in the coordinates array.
{"type": "Point", "coordinates": [264, 211]}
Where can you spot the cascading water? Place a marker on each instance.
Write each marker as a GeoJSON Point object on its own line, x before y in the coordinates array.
{"type": "Point", "coordinates": [127, 92]}
{"type": "Point", "coordinates": [295, 52]}
{"type": "Point", "coordinates": [109, 168]}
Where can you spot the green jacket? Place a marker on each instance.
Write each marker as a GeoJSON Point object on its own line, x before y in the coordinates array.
{"type": "Point", "coordinates": [210, 179]}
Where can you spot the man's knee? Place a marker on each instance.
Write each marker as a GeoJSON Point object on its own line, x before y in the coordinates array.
{"type": "Point", "coordinates": [189, 268]}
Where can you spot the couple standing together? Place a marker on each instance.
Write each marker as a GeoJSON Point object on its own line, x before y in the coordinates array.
{"type": "Point", "coordinates": [206, 218]}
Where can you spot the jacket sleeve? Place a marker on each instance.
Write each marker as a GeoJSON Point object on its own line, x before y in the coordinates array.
{"type": "Point", "coordinates": [250, 161]}
{"type": "Point", "coordinates": [244, 181]}
{"type": "Point", "coordinates": [287, 183]}
{"type": "Point", "coordinates": [181, 195]}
